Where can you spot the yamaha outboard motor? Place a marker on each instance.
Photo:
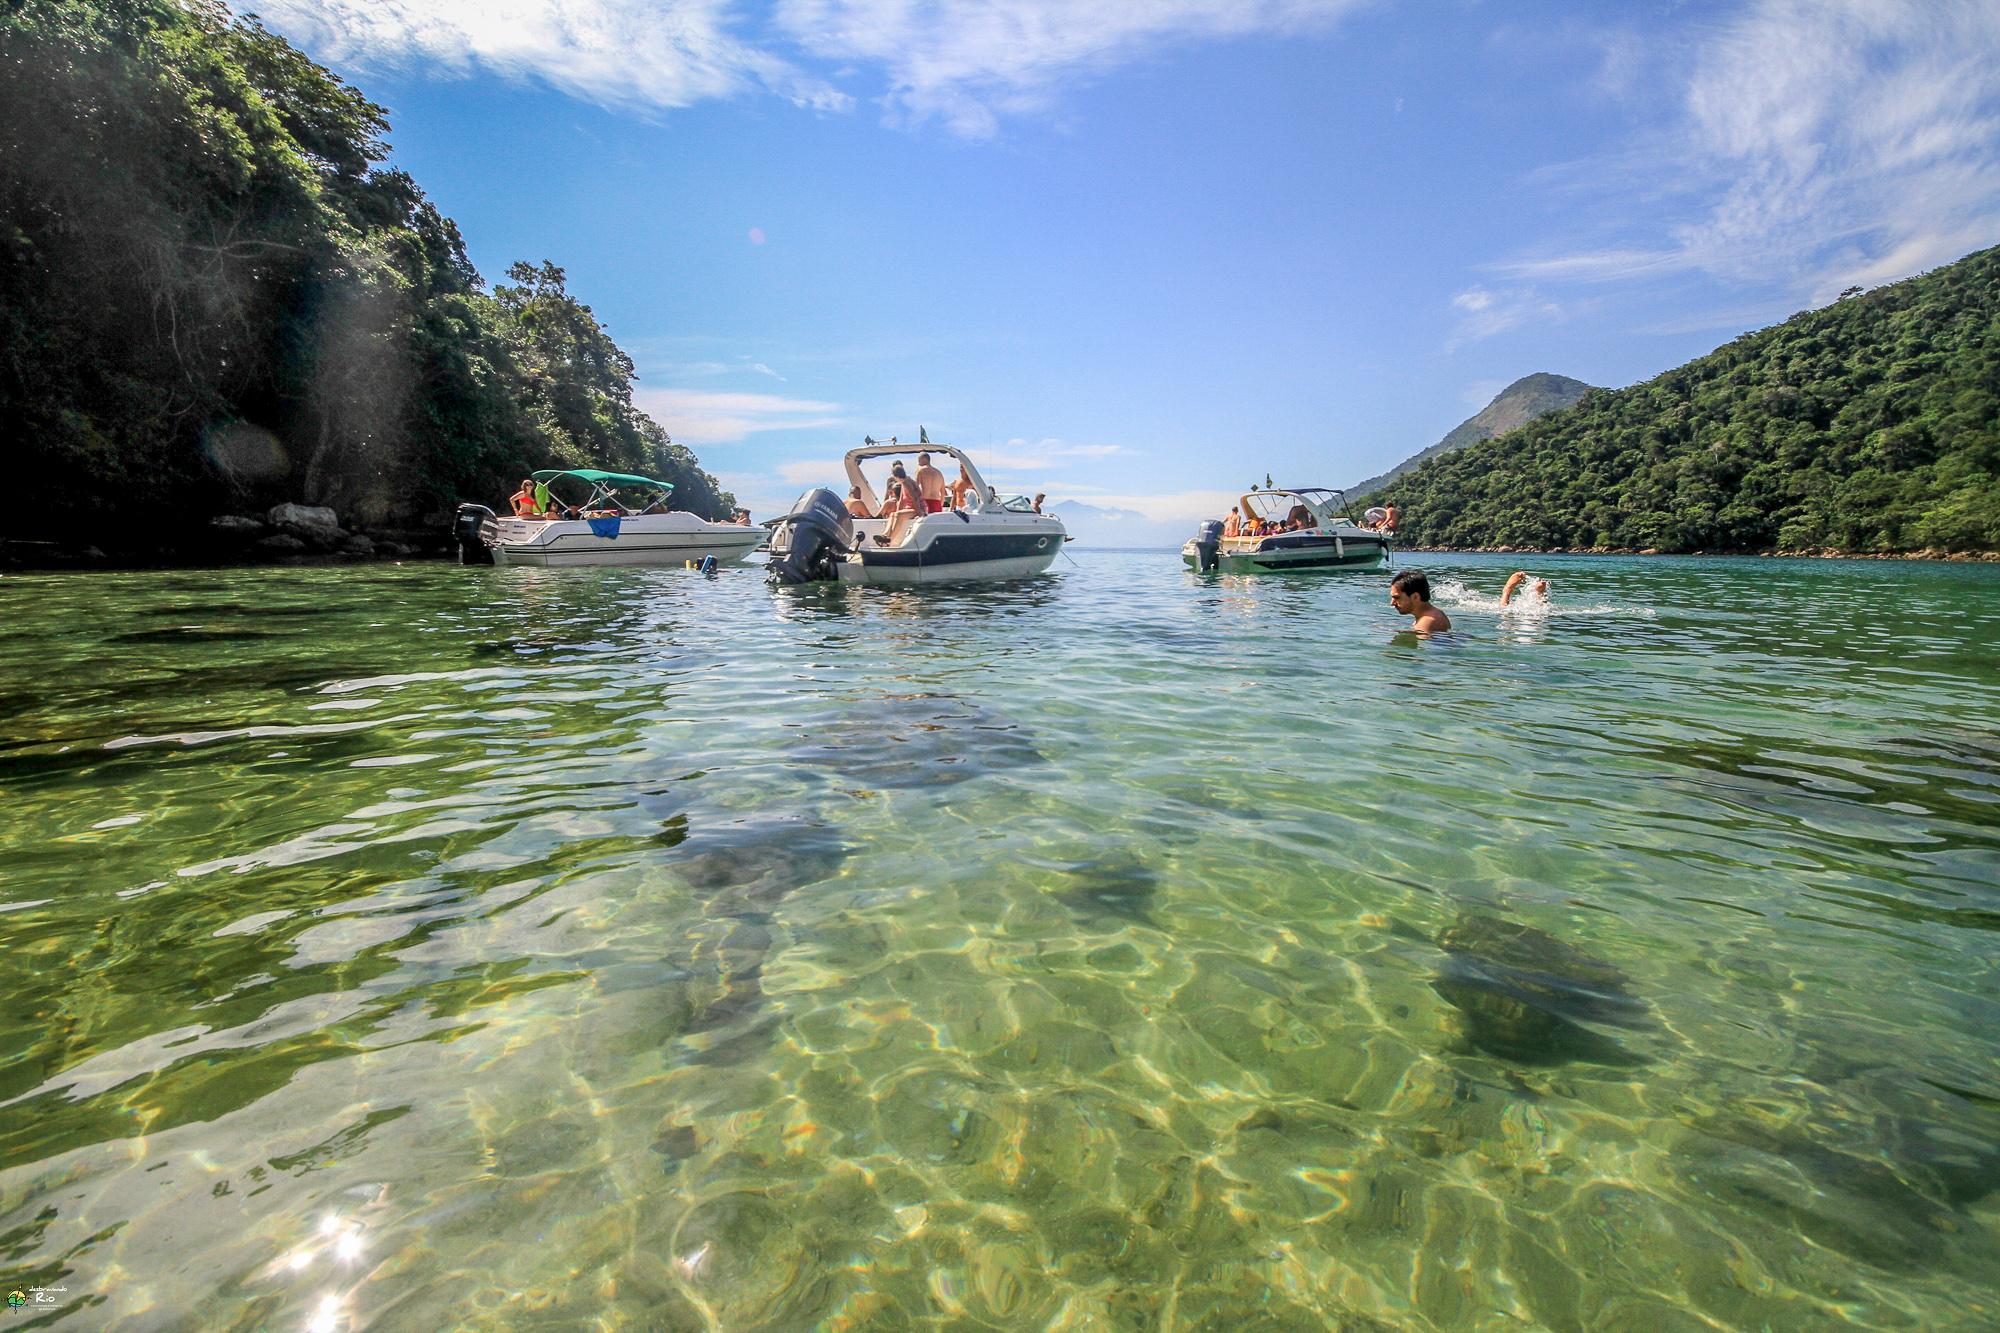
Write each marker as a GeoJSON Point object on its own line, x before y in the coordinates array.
{"type": "Point", "coordinates": [805, 544]}
{"type": "Point", "coordinates": [1208, 545]}
{"type": "Point", "coordinates": [466, 530]}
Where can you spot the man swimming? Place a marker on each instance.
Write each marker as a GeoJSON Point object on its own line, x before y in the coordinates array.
{"type": "Point", "coordinates": [1538, 590]}
{"type": "Point", "coordinates": [1410, 594]}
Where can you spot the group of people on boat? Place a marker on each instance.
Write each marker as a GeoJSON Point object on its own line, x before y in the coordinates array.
{"type": "Point", "coordinates": [535, 500]}
{"type": "Point", "coordinates": [908, 498]}
{"type": "Point", "coordinates": [1299, 519]}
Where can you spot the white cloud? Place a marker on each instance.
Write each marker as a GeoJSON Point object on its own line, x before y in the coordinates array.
{"type": "Point", "coordinates": [1821, 143]}
{"type": "Point", "coordinates": [693, 417]}
{"type": "Point", "coordinates": [1490, 312]}
{"type": "Point", "coordinates": [626, 54]}
{"type": "Point", "coordinates": [970, 61]}
{"type": "Point", "coordinates": [967, 62]}
{"type": "Point", "coordinates": [760, 366]}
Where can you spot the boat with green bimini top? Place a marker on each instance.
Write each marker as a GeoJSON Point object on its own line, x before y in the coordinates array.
{"type": "Point", "coordinates": [1280, 529]}
{"type": "Point", "coordinates": [581, 516]}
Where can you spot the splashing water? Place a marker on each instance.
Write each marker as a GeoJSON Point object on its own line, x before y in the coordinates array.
{"type": "Point", "coordinates": [1455, 595]}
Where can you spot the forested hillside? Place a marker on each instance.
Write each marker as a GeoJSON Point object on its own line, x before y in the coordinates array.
{"type": "Point", "coordinates": [1872, 425]}
{"type": "Point", "coordinates": [213, 298]}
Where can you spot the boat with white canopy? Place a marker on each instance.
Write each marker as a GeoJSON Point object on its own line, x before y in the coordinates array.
{"type": "Point", "coordinates": [587, 517]}
{"type": "Point", "coordinates": [1303, 528]}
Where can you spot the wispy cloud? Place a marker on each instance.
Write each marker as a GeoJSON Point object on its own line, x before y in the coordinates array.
{"type": "Point", "coordinates": [968, 62]}
{"type": "Point", "coordinates": [643, 55]}
{"type": "Point", "coordinates": [1490, 312]}
{"type": "Point", "coordinates": [965, 62]}
{"type": "Point", "coordinates": [1822, 143]}
{"type": "Point", "coordinates": [695, 417]}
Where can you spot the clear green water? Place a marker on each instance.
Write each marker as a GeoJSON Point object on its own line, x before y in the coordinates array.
{"type": "Point", "coordinates": [424, 948]}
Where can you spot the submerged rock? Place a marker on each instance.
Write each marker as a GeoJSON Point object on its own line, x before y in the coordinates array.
{"type": "Point", "coordinates": [1527, 995]}
{"type": "Point", "coordinates": [915, 740]}
{"type": "Point", "coordinates": [1117, 887]}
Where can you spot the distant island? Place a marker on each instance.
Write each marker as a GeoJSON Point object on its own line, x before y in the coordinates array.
{"type": "Point", "coordinates": [1871, 426]}
{"type": "Point", "coordinates": [214, 300]}
{"type": "Point", "coordinates": [1522, 401]}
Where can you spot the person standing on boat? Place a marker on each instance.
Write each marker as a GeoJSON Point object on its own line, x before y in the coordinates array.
{"type": "Point", "coordinates": [1388, 523]}
{"type": "Point", "coordinates": [930, 485]}
{"type": "Point", "coordinates": [524, 501]}
{"type": "Point", "coordinates": [1233, 525]}
{"type": "Point", "coordinates": [961, 488]}
{"type": "Point", "coordinates": [1410, 594]}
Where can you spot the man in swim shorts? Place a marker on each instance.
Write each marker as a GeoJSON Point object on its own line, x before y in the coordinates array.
{"type": "Point", "coordinates": [1410, 594]}
{"type": "Point", "coordinates": [930, 482]}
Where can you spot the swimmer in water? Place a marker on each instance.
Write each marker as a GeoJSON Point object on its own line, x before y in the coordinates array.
{"type": "Point", "coordinates": [1410, 594]}
{"type": "Point", "coordinates": [1539, 589]}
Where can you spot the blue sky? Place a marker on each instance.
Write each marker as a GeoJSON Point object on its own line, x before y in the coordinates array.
{"type": "Point", "coordinates": [1137, 254]}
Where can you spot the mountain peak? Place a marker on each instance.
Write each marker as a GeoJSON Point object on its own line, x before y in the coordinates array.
{"type": "Point", "coordinates": [1516, 405]}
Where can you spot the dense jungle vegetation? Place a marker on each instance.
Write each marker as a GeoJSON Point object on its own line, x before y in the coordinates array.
{"type": "Point", "coordinates": [1872, 425]}
{"type": "Point", "coordinates": [213, 298]}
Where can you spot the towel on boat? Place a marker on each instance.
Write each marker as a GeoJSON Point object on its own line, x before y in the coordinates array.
{"type": "Point", "coordinates": [603, 527]}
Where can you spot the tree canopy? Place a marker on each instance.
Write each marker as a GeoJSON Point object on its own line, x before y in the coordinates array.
{"type": "Point", "coordinates": [214, 297]}
{"type": "Point", "coordinates": [1871, 425]}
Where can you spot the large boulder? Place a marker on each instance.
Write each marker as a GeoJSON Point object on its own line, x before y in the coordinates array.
{"type": "Point", "coordinates": [319, 536]}
{"type": "Point", "coordinates": [282, 542]}
{"type": "Point", "coordinates": [318, 516]}
{"type": "Point", "coordinates": [236, 525]}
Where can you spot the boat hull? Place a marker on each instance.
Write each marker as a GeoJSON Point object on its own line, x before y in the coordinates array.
{"type": "Point", "coordinates": [1003, 550]}
{"type": "Point", "coordinates": [660, 540]}
{"type": "Point", "coordinates": [1302, 552]}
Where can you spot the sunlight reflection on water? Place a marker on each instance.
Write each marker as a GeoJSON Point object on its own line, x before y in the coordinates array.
{"type": "Point", "coordinates": [1119, 949]}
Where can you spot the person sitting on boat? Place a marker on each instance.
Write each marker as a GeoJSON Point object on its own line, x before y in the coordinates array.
{"type": "Point", "coordinates": [1039, 497]}
{"type": "Point", "coordinates": [658, 506]}
{"type": "Point", "coordinates": [524, 501]}
{"type": "Point", "coordinates": [903, 507]}
{"type": "Point", "coordinates": [1538, 591]}
{"type": "Point", "coordinates": [1300, 517]}
{"type": "Point", "coordinates": [1233, 525]}
{"type": "Point", "coordinates": [742, 519]}
{"type": "Point", "coordinates": [930, 485]}
{"type": "Point", "coordinates": [855, 504]}
{"type": "Point", "coordinates": [1410, 594]}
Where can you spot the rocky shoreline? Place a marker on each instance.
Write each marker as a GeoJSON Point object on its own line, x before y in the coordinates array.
{"type": "Point", "coordinates": [286, 534]}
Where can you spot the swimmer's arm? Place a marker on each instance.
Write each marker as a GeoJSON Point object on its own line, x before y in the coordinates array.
{"type": "Point", "coordinates": [1507, 592]}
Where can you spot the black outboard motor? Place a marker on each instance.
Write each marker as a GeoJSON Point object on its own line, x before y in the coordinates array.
{"type": "Point", "coordinates": [805, 543]}
{"type": "Point", "coordinates": [465, 530]}
{"type": "Point", "coordinates": [1208, 545]}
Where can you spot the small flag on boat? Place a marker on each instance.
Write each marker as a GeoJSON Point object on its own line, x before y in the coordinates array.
{"type": "Point", "coordinates": [923, 436]}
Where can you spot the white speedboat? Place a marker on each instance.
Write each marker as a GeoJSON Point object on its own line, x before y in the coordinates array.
{"type": "Point", "coordinates": [1293, 529]}
{"type": "Point", "coordinates": [621, 520]}
{"type": "Point", "coordinates": [989, 536]}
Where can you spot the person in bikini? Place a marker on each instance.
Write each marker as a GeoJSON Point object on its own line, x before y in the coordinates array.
{"type": "Point", "coordinates": [524, 501]}
{"type": "Point", "coordinates": [903, 508]}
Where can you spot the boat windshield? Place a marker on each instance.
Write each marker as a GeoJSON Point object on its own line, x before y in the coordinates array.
{"type": "Point", "coordinates": [1018, 504]}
